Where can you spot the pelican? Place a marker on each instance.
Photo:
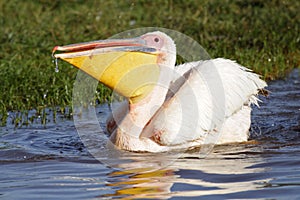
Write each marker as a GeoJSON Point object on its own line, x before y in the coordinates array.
{"type": "Point", "coordinates": [167, 107]}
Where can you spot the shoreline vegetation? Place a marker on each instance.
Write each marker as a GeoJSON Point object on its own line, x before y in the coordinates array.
{"type": "Point", "coordinates": [262, 35]}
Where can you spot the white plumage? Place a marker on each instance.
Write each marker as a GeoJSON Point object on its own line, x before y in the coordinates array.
{"type": "Point", "coordinates": [189, 117]}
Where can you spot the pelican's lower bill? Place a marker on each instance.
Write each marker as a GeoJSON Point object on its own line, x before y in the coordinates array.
{"type": "Point", "coordinates": [168, 107]}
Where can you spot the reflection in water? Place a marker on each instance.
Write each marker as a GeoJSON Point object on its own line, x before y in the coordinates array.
{"type": "Point", "coordinates": [231, 171]}
{"type": "Point", "coordinates": [140, 184]}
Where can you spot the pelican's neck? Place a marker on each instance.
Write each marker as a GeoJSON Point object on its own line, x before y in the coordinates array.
{"type": "Point", "coordinates": [128, 131]}
{"type": "Point", "coordinates": [139, 114]}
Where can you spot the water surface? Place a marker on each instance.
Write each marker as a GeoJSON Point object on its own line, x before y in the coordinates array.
{"type": "Point", "coordinates": [51, 162]}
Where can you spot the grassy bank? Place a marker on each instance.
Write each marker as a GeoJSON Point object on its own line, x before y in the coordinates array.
{"type": "Point", "coordinates": [263, 35]}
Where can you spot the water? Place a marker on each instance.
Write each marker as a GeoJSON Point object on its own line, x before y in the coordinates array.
{"type": "Point", "coordinates": [38, 162]}
{"type": "Point", "coordinates": [55, 61]}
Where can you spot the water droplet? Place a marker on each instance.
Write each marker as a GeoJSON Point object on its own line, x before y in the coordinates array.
{"type": "Point", "coordinates": [132, 22]}
{"type": "Point", "coordinates": [56, 65]}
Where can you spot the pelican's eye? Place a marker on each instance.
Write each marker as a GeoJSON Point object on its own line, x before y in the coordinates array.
{"type": "Point", "coordinates": [153, 41]}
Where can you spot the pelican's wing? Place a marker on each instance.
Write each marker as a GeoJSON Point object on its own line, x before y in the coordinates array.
{"type": "Point", "coordinates": [239, 83]}
{"type": "Point", "coordinates": [206, 94]}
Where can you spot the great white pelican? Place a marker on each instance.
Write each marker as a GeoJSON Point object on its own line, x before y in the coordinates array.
{"type": "Point", "coordinates": [167, 106]}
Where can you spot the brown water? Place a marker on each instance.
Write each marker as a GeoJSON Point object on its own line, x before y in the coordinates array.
{"type": "Point", "coordinates": [38, 162]}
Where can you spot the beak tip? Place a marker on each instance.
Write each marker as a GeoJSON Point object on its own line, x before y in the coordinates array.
{"type": "Point", "coordinates": [54, 50]}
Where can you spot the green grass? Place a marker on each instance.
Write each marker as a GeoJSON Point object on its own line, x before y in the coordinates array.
{"type": "Point", "coordinates": [263, 35]}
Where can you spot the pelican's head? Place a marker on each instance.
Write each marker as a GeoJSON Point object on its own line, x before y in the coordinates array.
{"type": "Point", "coordinates": [131, 67]}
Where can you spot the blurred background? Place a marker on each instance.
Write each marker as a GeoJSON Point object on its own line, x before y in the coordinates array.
{"type": "Point", "coordinates": [262, 35]}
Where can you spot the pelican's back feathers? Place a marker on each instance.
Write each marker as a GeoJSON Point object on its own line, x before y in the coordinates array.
{"type": "Point", "coordinates": [240, 83]}
{"type": "Point", "coordinates": [208, 94]}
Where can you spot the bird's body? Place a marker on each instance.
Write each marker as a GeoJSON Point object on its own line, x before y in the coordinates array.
{"type": "Point", "coordinates": [180, 107]}
{"type": "Point", "coordinates": [186, 119]}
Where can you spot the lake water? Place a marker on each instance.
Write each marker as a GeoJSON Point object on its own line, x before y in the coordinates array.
{"type": "Point", "coordinates": [51, 162]}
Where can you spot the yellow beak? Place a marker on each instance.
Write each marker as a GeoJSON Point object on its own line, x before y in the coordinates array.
{"type": "Point", "coordinates": [127, 66]}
